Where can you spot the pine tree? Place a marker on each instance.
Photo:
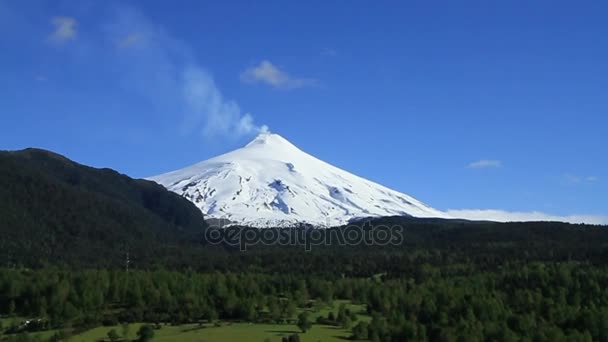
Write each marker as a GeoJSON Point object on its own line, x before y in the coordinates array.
{"type": "Point", "coordinates": [303, 322]}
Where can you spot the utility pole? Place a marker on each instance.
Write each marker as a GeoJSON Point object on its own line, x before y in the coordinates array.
{"type": "Point", "coordinates": [127, 262]}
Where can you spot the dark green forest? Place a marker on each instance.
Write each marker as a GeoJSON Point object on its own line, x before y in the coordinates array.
{"type": "Point", "coordinates": [55, 210]}
{"type": "Point", "coordinates": [67, 230]}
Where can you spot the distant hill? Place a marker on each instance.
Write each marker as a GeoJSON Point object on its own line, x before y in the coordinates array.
{"type": "Point", "coordinates": [55, 210]}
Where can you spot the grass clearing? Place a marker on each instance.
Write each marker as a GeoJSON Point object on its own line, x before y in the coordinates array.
{"type": "Point", "coordinates": [229, 332]}
{"type": "Point", "coordinates": [237, 332]}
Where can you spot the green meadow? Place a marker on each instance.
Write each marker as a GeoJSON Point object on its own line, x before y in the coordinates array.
{"type": "Point", "coordinates": [225, 331]}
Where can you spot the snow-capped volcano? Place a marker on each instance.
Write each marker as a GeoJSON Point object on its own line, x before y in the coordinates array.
{"type": "Point", "coordinates": [270, 182]}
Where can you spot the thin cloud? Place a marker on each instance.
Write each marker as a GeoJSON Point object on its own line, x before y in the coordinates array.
{"type": "Point", "coordinates": [516, 216]}
{"type": "Point", "coordinates": [569, 178]}
{"type": "Point", "coordinates": [64, 29]}
{"type": "Point", "coordinates": [485, 163]}
{"type": "Point", "coordinates": [129, 40]}
{"type": "Point", "coordinates": [329, 52]}
{"type": "Point", "coordinates": [269, 74]}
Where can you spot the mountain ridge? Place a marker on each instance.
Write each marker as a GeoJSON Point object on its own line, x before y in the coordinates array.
{"type": "Point", "coordinates": [55, 208]}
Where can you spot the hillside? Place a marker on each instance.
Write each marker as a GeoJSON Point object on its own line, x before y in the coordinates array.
{"type": "Point", "coordinates": [56, 210]}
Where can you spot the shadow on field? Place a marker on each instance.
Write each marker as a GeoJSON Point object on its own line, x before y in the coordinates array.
{"type": "Point", "coordinates": [283, 331]}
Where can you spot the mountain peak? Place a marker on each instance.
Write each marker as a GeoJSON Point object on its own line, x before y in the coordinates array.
{"type": "Point", "coordinates": [268, 138]}
{"type": "Point", "coordinates": [271, 182]}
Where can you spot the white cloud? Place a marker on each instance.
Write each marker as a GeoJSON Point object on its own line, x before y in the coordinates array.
{"type": "Point", "coordinates": [515, 216]}
{"type": "Point", "coordinates": [129, 40]}
{"type": "Point", "coordinates": [485, 163]}
{"type": "Point", "coordinates": [575, 179]}
{"type": "Point", "coordinates": [568, 178]}
{"type": "Point", "coordinates": [64, 29]}
{"type": "Point", "coordinates": [329, 52]}
{"type": "Point", "coordinates": [268, 73]}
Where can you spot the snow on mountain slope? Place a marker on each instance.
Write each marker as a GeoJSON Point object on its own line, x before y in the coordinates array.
{"type": "Point", "coordinates": [271, 182]}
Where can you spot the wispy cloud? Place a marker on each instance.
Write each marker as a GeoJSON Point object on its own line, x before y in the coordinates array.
{"type": "Point", "coordinates": [329, 52]}
{"type": "Point", "coordinates": [129, 40]}
{"type": "Point", "coordinates": [516, 216]}
{"type": "Point", "coordinates": [268, 73]}
{"type": "Point", "coordinates": [485, 163]}
{"type": "Point", "coordinates": [569, 178]}
{"type": "Point", "coordinates": [64, 29]}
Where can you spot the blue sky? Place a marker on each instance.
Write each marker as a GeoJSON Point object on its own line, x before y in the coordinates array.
{"type": "Point", "coordinates": [462, 104]}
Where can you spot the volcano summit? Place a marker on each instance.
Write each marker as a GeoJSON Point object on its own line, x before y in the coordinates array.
{"type": "Point", "coordinates": [270, 182]}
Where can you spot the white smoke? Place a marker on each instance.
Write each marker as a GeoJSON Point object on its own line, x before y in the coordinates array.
{"type": "Point", "coordinates": [164, 70]}
{"type": "Point", "coordinates": [222, 117]}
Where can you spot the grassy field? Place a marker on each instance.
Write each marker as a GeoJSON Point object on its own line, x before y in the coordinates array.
{"type": "Point", "coordinates": [6, 322]}
{"type": "Point", "coordinates": [229, 332]}
{"type": "Point", "coordinates": [234, 332]}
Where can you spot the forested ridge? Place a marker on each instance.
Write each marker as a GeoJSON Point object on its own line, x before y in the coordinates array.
{"type": "Point", "coordinates": [454, 283]}
{"type": "Point", "coordinates": [56, 210]}
{"type": "Point", "coordinates": [84, 247]}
